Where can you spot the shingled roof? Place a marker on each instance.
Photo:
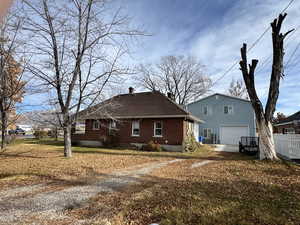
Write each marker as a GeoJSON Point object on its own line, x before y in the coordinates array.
{"type": "Point", "coordinates": [137, 105]}
{"type": "Point", "coordinates": [291, 118]}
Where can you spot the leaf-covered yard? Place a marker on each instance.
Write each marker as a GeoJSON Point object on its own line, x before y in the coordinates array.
{"type": "Point", "coordinates": [223, 192]}
{"type": "Point", "coordinates": [232, 189]}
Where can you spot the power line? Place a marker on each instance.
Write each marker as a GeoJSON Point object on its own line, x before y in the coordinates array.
{"type": "Point", "coordinates": [262, 65]}
{"type": "Point", "coordinates": [292, 55]}
{"type": "Point", "coordinates": [251, 47]}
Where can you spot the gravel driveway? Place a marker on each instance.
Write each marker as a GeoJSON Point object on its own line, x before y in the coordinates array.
{"type": "Point", "coordinates": [16, 204]}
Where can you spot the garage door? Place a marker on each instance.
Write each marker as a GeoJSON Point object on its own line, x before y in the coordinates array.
{"type": "Point", "coordinates": [232, 134]}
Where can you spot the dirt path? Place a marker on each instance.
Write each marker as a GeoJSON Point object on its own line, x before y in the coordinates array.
{"type": "Point", "coordinates": [202, 163]}
{"type": "Point", "coordinates": [16, 205]}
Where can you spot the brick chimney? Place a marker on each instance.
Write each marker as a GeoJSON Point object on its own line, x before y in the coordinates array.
{"type": "Point", "coordinates": [131, 90]}
{"type": "Point", "coordinates": [170, 96]}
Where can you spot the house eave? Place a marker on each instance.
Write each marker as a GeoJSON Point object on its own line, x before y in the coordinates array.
{"type": "Point", "coordinates": [147, 117]}
{"type": "Point", "coordinates": [281, 124]}
{"type": "Point", "coordinates": [224, 95]}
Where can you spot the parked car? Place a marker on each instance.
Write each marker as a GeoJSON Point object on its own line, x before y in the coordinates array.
{"type": "Point", "coordinates": [17, 131]}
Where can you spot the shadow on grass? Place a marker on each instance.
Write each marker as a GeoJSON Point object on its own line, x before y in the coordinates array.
{"type": "Point", "coordinates": [50, 142]}
{"type": "Point", "coordinates": [200, 201]}
{"type": "Point", "coordinates": [203, 155]}
{"type": "Point", "coordinates": [48, 179]}
{"type": "Point", "coordinates": [192, 199]}
{"type": "Point", "coordinates": [21, 155]}
{"type": "Point", "coordinates": [207, 155]}
{"type": "Point", "coordinates": [219, 202]}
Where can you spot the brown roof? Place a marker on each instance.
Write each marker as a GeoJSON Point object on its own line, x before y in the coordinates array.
{"type": "Point", "coordinates": [136, 105]}
{"type": "Point", "coordinates": [291, 118]}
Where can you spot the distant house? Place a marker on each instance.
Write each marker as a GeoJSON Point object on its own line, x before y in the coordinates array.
{"type": "Point", "coordinates": [136, 119]}
{"type": "Point", "coordinates": [288, 125]}
{"type": "Point", "coordinates": [227, 118]}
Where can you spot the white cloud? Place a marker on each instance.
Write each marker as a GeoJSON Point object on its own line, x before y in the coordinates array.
{"type": "Point", "coordinates": [218, 47]}
{"type": "Point", "coordinates": [214, 32]}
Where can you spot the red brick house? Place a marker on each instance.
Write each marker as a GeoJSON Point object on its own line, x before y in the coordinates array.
{"type": "Point", "coordinates": [289, 125]}
{"type": "Point", "coordinates": [135, 119]}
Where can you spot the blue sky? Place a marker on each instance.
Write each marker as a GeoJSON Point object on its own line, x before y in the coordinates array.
{"type": "Point", "coordinates": [213, 31]}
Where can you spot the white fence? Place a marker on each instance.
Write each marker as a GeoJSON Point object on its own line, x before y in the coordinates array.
{"type": "Point", "coordinates": [288, 145]}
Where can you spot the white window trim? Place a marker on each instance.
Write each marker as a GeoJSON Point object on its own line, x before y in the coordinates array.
{"type": "Point", "coordinates": [154, 135]}
{"type": "Point", "coordinates": [289, 130]}
{"type": "Point", "coordinates": [207, 132]}
{"type": "Point", "coordinates": [209, 110]}
{"type": "Point", "coordinates": [132, 134]}
{"type": "Point", "coordinates": [110, 124]}
{"type": "Point", "coordinates": [93, 125]}
{"type": "Point", "coordinates": [79, 131]}
{"type": "Point", "coordinates": [232, 111]}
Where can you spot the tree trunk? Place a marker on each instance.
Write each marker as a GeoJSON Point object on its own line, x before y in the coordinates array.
{"type": "Point", "coordinates": [3, 129]}
{"type": "Point", "coordinates": [56, 134]}
{"type": "Point", "coordinates": [266, 141]}
{"type": "Point", "coordinates": [67, 141]}
{"type": "Point", "coordinates": [264, 117]}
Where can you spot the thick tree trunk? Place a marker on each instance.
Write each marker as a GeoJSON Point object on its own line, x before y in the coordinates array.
{"type": "Point", "coordinates": [67, 141]}
{"type": "Point", "coordinates": [266, 141]}
{"type": "Point", "coordinates": [264, 117]}
{"type": "Point", "coordinates": [3, 130]}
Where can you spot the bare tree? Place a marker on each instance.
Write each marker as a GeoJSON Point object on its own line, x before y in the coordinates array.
{"type": "Point", "coordinates": [180, 76]}
{"type": "Point", "coordinates": [46, 119]}
{"type": "Point", "coordinates": [279, 117]}
{"type": "Point", "coordinates": [79, 44]}
{"type": "Point", "coordinates": [264, 116]}
{"type": "Point", "coordinates": [11, 70]}
{"type": "Point", "coordinates": [4, 8]}
{"type": "Point", "coordinates": [238, 89]}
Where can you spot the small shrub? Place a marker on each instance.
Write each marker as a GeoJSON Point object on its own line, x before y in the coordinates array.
{"type": "Point", "coordinates": [190, 144]}
{"type": "Point", "coordinates": [10, 139]}
{"type": "Point", "coordinates": [53, 133]}
{"type": "Point", "coordinates": [40, 134]}
{"type": "Point", "coordinates": [152, 147]}
{"type": "Point", "coordinates": [111, 141]}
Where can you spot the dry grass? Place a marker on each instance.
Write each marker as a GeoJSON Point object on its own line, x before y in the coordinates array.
{"type": "Point", "coordinates": [32, 161]}
{"type": "Point", "coordinates": [240, 191]}
{"type": "Point", "coordinates": [234, 189]}
{"type": "Point", "coordinates": [42, 161]}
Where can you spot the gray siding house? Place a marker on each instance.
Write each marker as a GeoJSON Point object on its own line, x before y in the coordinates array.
{"type": "Point", "coordinates": [226, 118]}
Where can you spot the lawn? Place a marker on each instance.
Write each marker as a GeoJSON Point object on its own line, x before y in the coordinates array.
{"type": "Point", "coordinates": [33, 161]}
{"type": "Point", "coordinates": [232, 189]}
{"type": "Point", "coordinates": [228, 191]}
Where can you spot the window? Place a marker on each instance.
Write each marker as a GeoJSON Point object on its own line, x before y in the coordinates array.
{"type": "Point", "coordinates": [158, 129]}
{"type": "Point", "coordinates": [112, 124]}
{"type": "Point", "coordinates": [205, 110]}
{"type": "Point", "coordinates": [79, 127]}
{"type": "Point", "coordinates": [228, 109]}
{"type": "Point", "coordinates": [96, 124]}
{"type": "Point", "coordinates": [112, 127]}
{"type": "Point", "coordinates": [135, 128]}
{"type": "Point", "coordinates": [207, 133]}
{"type": "Point", "coordinates": [289, 130]}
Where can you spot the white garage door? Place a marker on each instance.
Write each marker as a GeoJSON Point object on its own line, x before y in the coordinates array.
{"type": "Point", "coordinates": [232, 135]}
